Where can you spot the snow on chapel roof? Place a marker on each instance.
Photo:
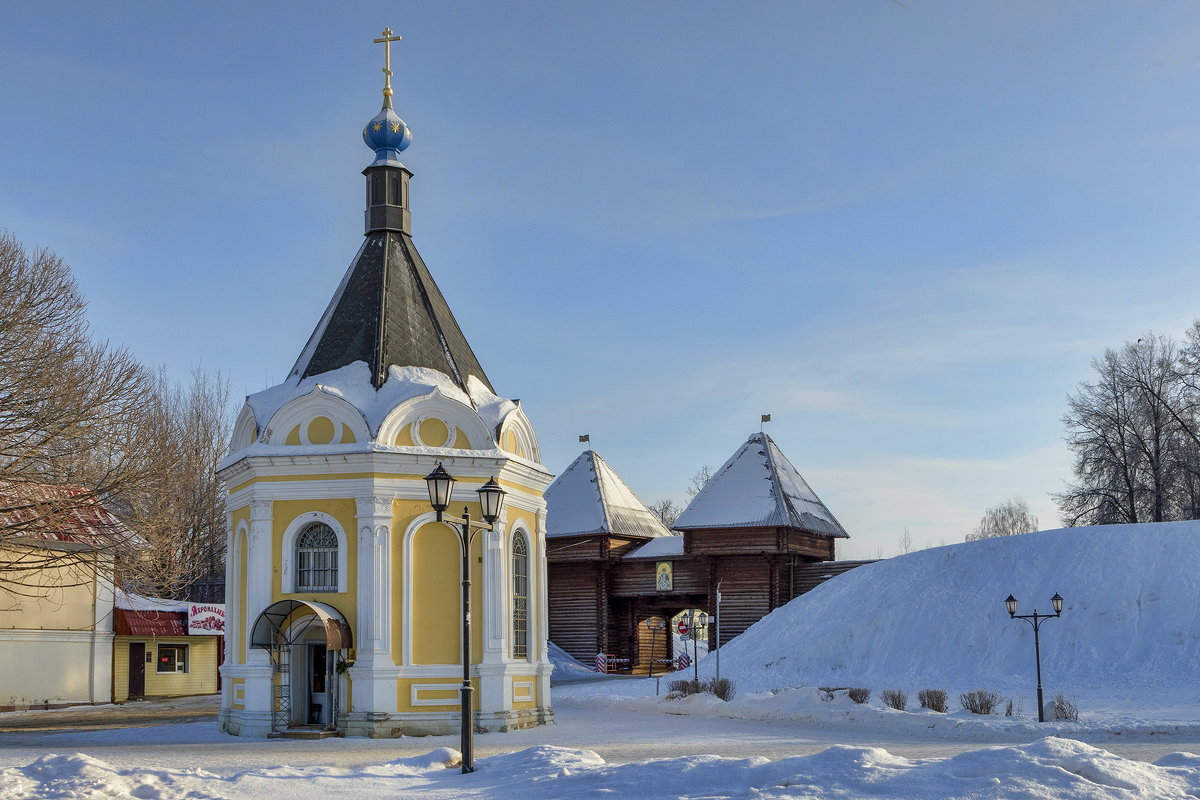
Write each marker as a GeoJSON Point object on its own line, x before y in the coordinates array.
{"type": "Point", "coordinates": [589, 497]}
{"type": "Point", "coordinates": [759, 487]}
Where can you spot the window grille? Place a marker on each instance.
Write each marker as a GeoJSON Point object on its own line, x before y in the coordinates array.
{"type": "Point", "coordinates": [520, 573]}
{"type": "Point", "coordinates": [317, 559]}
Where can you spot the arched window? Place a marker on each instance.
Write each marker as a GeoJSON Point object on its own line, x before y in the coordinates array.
{"type": "Point", "coordinates": [520, 606]}
{"type": "Point", "coordinates": [317, 559]}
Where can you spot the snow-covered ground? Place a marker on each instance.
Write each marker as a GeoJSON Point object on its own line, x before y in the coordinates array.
{"type": "Point", "coordinates": [1126, 648]}
{"type": "Point", "coordinates": [1061, 769]}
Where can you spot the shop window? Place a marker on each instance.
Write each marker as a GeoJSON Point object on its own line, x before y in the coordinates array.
{"type": "Point", "coordinates": [172, 658]}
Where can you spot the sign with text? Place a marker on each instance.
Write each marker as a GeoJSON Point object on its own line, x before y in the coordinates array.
{"type": "Point", "coordinates": [206, 619]}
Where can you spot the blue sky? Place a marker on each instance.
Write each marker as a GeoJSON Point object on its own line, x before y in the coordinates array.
{"type": "Point", "coordinates": [901, 228]}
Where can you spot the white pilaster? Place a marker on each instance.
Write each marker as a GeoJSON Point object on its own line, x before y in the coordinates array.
{"type": "Point", "coordinates": [493, 677]}
{"type": "Point", "coordinates": [374, 672]}
{"type": "Point", "coordinates": [258, 592]}
{"type": "Point", "coordinates": [494, 592]}
{"type": "Point", "coordinates": [540, 597]}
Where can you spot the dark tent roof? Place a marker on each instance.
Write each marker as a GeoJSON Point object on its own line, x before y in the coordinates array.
{"type": "Point", "coordinates": [388, 310]}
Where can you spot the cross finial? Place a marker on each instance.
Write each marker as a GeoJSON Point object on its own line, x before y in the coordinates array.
{"type": "Point", "coordinates": [386, 41]}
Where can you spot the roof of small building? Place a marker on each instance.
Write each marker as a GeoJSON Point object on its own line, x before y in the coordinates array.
{"type": "Point", "coordinates": [759, 487]}
{"type": "Point", "coordinates": [589, 497]}
{"type": "Point", "coordinates": [131, 601]}
{"type": "Point", "coordinates": [129, 622]}
{"type": "Point", "coordinates": [61, 514]}
{"type": "Point", "coordinates": [662, 547]}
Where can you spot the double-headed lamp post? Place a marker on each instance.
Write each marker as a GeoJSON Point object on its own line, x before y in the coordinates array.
{"type": "Point", "coordinates": [491, 500]}
{"type": "Point", "coordinates": [1035, 619]}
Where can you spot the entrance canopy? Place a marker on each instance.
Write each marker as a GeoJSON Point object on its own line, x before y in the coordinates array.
{"type": "Point", "coordinates": [274, 626]}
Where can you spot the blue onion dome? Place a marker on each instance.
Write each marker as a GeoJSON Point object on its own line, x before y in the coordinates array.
{"type": "Point", "coordinates": [387, 135]}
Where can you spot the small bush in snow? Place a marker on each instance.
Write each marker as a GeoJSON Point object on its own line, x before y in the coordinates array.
{"type": "Point", "coordinates": [684, 688]}
{"type": "Point", "coordinates": [1065, 708]}
{"type": "Point", "coordinates": [933, 699]}
{"type": "Point", "coordinates": [722, 688]}
{"type": "Point", "coordinates": [859, 695]}
{"type": "Point", "coordinates": [1008, 711]}
{"type": "Point", "coordinates": [828, 692]}
{"type": "Point", "coordinates": [894, 698]}
{"type": "Point", "coordinates": [980, 701]}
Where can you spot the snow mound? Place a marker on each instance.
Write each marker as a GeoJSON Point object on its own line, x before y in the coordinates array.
{"type": "Point", "coordinates": [1061, 769]}
{"type": "Point", "coordinates": [566, 667]}
{"type": "Point", "coordinates": [79, 776]}
{"type": "Point", "coordinates": [936, 618]}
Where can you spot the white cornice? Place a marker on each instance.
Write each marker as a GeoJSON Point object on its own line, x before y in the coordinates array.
{"type": "Point", "coordinates": [356, 458]}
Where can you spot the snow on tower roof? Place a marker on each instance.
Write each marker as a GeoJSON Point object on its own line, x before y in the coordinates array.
{"type": "Point", "coordinates": [759, 487]}
{"type": "Point", "coordinates": [662, 547]}
{"type": "Point", "coordinates": [589, 497]}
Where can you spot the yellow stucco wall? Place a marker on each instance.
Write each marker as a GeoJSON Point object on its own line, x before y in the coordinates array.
{"type": "Point", "coordinates": [284, 512]}
{"type": "Point", "coordinates": [62, 606]}
{"type": "Point", "coordinates": [320, 430]}
{"type": "Point", "coordinates": [237, 690]}
{"type": "Point", "coordinates": [436, 591]}
{"type": "Point", "coordinates": [201, 677]}
{"type": "Point", "coordinates": [522, 688]}
{"type": "Point", "coordinates": [242, 548]}
{"type": "Point", "coordinates": [429, 691]}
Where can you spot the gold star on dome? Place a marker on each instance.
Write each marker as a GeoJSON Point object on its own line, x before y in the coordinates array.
{"type": "Point", "coordinates": [378, 126]}
{"type": "Point", "coordinates": [395, 127]}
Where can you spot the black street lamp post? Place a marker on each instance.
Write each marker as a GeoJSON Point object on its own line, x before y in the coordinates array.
{"type": "Point", "coordinates": [1035, 619]}
{"type": "Point", "coordinates": [698, 619]}
{"type": "Point", "coordinates": [491, 499]}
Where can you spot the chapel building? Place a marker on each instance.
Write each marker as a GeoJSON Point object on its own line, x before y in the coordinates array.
{"type": "Point", "coordinates": [343, 590]}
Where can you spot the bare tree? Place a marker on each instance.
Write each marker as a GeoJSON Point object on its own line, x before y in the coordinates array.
{"type": "Point", "coordinates": [179, 509]}
{"type": "Point", "coordinates": [1132, 431]}
{"type": "Point", "coordinates": [667, 511]}
{"type": "Point", "coordinates": [70, 413]}
{"type": "Point", "coordinates": [1009, 518]}
{"type": "Point", "coordinates": [905, 541]}
{"type": "Point", "coordinates": [698, 480]}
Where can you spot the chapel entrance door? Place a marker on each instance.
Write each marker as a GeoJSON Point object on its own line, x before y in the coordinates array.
{"type": "Point", "coordinates": [318, 678]}
{"type": "Point", "coordinates": [137, 669]}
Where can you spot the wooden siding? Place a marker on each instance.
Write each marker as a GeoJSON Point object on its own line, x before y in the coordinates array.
{"type": "Point", "coordinates": [809, 576]}
{"type": "Point", "coordinates": [574, 597]}
{"type": "Point", "coordinates": [635, 577]}
{"type": "Point", "coordinates": [561, 549]}
{"type": "Point", "coordinates": [201, 677]}
{"type": "Point", "coordinates": [745, 592]}
{"type": "Point", "coordinates": [599, 601]}
{"type": "Point", "coordinates": [721, 541]}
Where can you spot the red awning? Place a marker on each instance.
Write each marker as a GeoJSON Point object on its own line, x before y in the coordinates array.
{"type": "Point", "coordinates": [149, 623]}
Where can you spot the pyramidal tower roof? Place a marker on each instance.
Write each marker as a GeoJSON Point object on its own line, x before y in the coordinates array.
{"type": "Point", "coordinates": [388, 311]}
{"type": "Point", "coordinates": [589, 497]}
{"type": "Point", "coordinates": [759, 487]}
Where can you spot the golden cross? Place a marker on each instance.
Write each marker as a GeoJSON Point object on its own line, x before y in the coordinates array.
{"type": "Point", "coordinates": [386, 41]}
